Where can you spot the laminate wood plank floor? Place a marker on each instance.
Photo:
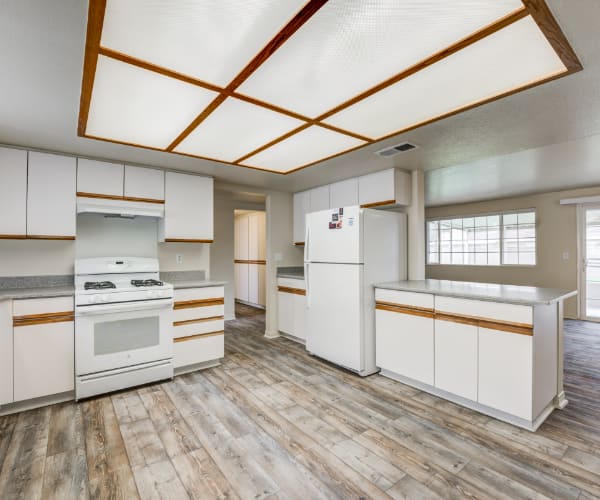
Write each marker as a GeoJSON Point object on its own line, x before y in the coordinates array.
{"type": "Point", "coordinates": [273, 422]}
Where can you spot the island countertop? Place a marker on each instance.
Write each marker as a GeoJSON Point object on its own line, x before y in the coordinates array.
{"type": "Point", "coordinates": [512, 294]}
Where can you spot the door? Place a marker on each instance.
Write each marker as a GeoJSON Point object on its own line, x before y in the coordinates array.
{"type": "Point", "coordinates": [344, 193]}
{"type": "Point", "coordinates": [334, 313]}
{"type": "Point", "coordinates": [253, 283]}
{"type": "Point", "coordinates": [319, 199]}
{"type": "Point", "coordinates": [241, 282]}
{"type": "Point", "coordinates": [301, 207]}
{"type": "Point", "coordinates": [334, 236]}
{"type": "Point", "coordinates": [144, 183]}
{"type": "Point", "coordinates": [99, 177]}
{"type": "Point", "coordinates": [6, 352]}
{"type": "Point", "coordinates": [13, 192]}
{"type": "Point", "coordinates": [590, 249]}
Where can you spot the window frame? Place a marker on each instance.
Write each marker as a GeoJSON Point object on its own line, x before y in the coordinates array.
{"type": "Point", "coordinates": [501, 214]}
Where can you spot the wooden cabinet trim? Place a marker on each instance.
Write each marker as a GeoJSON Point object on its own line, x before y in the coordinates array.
{"type": "Point", "coordinates": [186, 240]}
{"type": "Point", "coordinates": [199, 336]}
{"type": "Point", "coordinates": [242, 261]}
{"type": "Point", "coordinates": [456, 318]}
{"type": "Point", "coordinates": [82, 194]}
{"type": "Point", "coordinates": [188, 304]}
{"type": "Point", "coordinates": [492, 324]}
{"type": "Point", "coordinates": [378, 204]}
{"type": "Point", "coordinates": [49, 237]}
{"type": "Point", "coordinates": [43, 318]}
{"type": "Point", "coordinates": [287, 289]}
{"type": "Point", "coordinates": [197, 320]}
{"type": "Point", "coordinates": [505, 326]}
{"type": "Point", "coordinates": [423, 312]}
{"type": "Point", "coordinates": [299, 243]}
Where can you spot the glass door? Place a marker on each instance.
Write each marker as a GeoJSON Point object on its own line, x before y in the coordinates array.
{"type": "Point", "coordinates": [591, 263]}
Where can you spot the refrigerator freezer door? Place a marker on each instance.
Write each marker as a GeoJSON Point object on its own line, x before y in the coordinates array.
{"type": "Point", "coordinates": [332, 236]}
{"type": "Point", "coordinates": [334, 313]}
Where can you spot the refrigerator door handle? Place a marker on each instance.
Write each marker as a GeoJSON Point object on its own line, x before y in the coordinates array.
{"type": "Point", "coordinates": [306, 242]}
{"type": "Point", "coordinates": [306, 284]}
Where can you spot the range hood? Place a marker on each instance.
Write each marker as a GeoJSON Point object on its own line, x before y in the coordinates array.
{"type": "Point", "coordinates": [119, 207]}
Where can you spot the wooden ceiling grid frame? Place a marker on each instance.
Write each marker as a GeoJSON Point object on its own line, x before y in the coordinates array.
{"type": "Point", "coordinates": [537, 9]}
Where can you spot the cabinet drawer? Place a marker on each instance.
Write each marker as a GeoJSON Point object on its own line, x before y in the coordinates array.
{"type": "Point", "coordinates": [31, 307]}
{"type": "Point", "coordinates": [291, 283]}
{"type": "Point", "coordinates": [198, 313]}
{"type": "Point", "coordinates": [195, 350]}
{"type": "Point", "coordinates": [401, 298]}
{"type": "Point", "coordinates": [198, 327]}
{"type": "Point", "coordinates": [191, 294]}
{"type": "Point", "coordinates": [482, 309]}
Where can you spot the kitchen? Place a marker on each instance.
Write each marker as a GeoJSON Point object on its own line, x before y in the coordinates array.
{"type": "Point", "coordinates": [386, 304]}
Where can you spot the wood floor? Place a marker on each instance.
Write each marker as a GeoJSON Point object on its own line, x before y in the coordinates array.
{"type": "Point", "coordinates": [273, 422]}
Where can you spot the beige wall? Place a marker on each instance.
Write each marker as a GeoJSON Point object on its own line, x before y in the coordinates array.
{"type": "Point", "coordinates": [556, 233]}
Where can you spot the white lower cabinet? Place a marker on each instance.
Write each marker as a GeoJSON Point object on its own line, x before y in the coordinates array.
{"type": "Point", "coordinates": [6, 353]}
{"type": "Point", "coordinates": [299, 316]}
{"type": "Point", "coordinates": [456, 358]}
{"type": "Point", "coordinates": [43, 347]}
{"type": "Point", "coordinates": [291, 307]}
{"type": "Point", "coordinates": [405, 345]}
{"type": "Point", "coordinates": [506, 372]}
{"type": "Point", "coordinates": [242, 278]}
{"type": "Point", "coordinates": [285, 312]}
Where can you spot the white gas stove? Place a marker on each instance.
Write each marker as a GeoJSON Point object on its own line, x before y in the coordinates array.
{"type": "Point", "coordinates": [123, 324]}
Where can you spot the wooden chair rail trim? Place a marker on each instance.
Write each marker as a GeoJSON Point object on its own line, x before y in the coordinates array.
{"type": "Point", "coordinates": [83, 194]}
{"type": "Point", "coordinates": [404, 309]}
{"type": "Point", "coordinates": [242, 261]}
{"type": "Point", "coordinates": [197, 320]}
{"type": "Point", "coordinates": [198, 336]}
{"type": "Point", "coordinates": [189, 304]}
{"type": "Point", "coordinates": [42, 319]}
{"type": "Point", "coordinates": [186, 240]}
{"type": "Point", "coordinates": [378, 204]}
{"type": "Point", "coordinates": [287, 289]}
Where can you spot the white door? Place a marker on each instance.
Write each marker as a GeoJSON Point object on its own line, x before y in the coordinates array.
{"type": "Point", "coordinates": [241, 282]}
{"type": "Point", "coordinates": [253, 283]}
{"type": "Point", "coordinates": [299, 316]}
{"type": "Point", "coordinates": [319, 199]}
{"type": "Point", "coordinates": [99, 177]}
{"type": "Point", "coordinates": [6, 352]}
{"type": "Point", "coordinates": [144, 183]}
{"type": "Point", "coordinates": [51, 198]}
{"type": "Point", "coordinates": [13, 192]}
{"type": "Point", "coordinates": [301, 208]}
{"type": "Point", "coordinates": [262, 285]}
{"type": "Point", "coordinates": [590, 249]}
{"type": "Point", "coordinates": [334, 313]}
{"type": "Point", "coordinates": [343, 193]}
{"type": "Point", "coordinates": [334, 236]}
{"type": "Point", "coordinates": [377, 187]}
{"type": "Point", "coordinates": [241, 237]}
{"type": "Point", "coordinates": [285, 312]}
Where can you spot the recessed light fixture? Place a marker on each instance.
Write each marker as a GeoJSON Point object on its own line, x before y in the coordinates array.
{"type": "Point", "coordinates": [282, 85]}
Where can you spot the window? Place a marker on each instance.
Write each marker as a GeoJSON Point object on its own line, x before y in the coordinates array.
{"type": "Point", "coordinates": [483, 240]}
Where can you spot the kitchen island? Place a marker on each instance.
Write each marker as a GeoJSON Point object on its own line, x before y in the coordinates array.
{"type": "Point", "coordinates": [497, 349]}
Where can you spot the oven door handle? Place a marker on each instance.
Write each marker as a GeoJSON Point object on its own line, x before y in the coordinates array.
{"type": "Point", "coordinates": [93, 310]}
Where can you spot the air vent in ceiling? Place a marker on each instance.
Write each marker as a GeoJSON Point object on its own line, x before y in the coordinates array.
{"type": "Point", "coordinates": [396, 150]}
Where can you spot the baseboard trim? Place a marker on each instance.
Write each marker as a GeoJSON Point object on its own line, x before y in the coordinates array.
{"type": "Point", "coordinates": [31, 404]}
{"type": "Point", "coordinates": [269, 334]}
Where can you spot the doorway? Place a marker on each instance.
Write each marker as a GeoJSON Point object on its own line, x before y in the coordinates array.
{"type": "Point", "coordinates": [250, 245]}
{"type": "Point", "coordinates": [590, 250]}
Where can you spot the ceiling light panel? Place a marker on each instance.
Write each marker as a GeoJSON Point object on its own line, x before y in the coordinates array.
{"type": "Point", "coordinates": [235, 129]}
{"type": "Point", "coordinates": [141, 107]}
{"type": "Point", "coordinates": [211, 40]}
{"type": "Point", "coordinates": [349, 46]}
{"type": "Point", "coordinates": [312, 144]}
{"type": "Point", "coordinates": [511, 58]}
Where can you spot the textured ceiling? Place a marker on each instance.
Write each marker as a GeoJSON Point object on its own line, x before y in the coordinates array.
{"type": "Point", "coordinates": [42, 55]}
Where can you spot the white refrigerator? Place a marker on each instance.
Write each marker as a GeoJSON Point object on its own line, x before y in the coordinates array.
{"type": "Point", "coordinates": [347, 250]}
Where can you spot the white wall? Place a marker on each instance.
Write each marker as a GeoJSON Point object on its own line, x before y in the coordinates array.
{"type": "Point", "coordinates": [36, 257]}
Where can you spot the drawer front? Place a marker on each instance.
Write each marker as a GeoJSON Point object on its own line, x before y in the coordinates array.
{"type": "Point", "coordinates": [482, 309]}
{"type": "Point", "coordinates": [291, 283]}
{"type": "Point", "coordinates": [397, 297]}
{"type": "Point", "coordinates": [188, 294]}
{"type": "Point", "coordinates": [30, 307]}
{"type": "Point", "coordinates": [198, 327]}
{"type": "Point", "coordinates": [198, 350]}
{"type": "Point", "coordinates": [200, 312]}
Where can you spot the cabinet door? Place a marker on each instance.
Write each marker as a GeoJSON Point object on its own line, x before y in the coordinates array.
{"type": "Point", "coordinates": [253, 283]}
{"type": "Point", "coordinates": [242, 223]}
{"type": "Point", "coordinates": [257, 236]}
{"type": "Point", "coordinates": [262, 285]}
{"type": "Point", "coordinates": [377, 187]}
{"type": "Point", "coordinates": [344, 193]}
{"type": "Point", "coordinates": [506, 372]}
{"type": "Point", "coordinates": [299, 316]}
{"type": "Point", "coordinates": [241, 282]}
{"type": "Point", "coordinates": [253, 236]}
{"type": "Point", "coordinates": [405, 345]}
{"type": "Point", "coordinates": [188, 208]}
{"type": "Point", "coordinates": [285, 312]}
{"type": "Point", "coordinates": [319, 199]}
{"type": "Point", "coordinates": [43, 360]}
{"type": "Point", "coordinates": [456, 358]}
{"type": "Point", "coordinates": [51, 199]}
{"type": "Point", "coordinates": [6, 353]}
{"type": "Point", "coordinates": [99, 177]}
{"type": "Point", "coordinates": [13, 192]}
{"type": "Point", "coordinates": [301, 207]}
{"type": "Point", "coordinates": [144, 183]}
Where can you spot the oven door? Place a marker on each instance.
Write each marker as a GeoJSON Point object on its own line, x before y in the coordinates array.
{"type": "Point", "coordinates": [109, 336]}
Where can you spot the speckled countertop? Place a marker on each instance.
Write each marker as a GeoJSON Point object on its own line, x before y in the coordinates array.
{"type": "Point", "coordinates": [295, 272]}
{"type": "Point", "coordinates": [35, 287]}
{"type": "Point", "coordinates": [180, 284]}
{"type": "Point", "coordinates": [523, 295]}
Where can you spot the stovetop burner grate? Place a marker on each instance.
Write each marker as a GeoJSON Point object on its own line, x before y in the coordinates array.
{"type": "Point", "coordinates": [149, 282]}
{"type": "Point", "coordinates": [98, 285]}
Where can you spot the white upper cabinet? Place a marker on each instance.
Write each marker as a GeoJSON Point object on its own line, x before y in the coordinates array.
{"type": "Point", "coordinates": [99, 177]}
{"type": "Point", "coordinates": [144, 184]}
{"type": "Point", "coordinates": [387, 187]}
{"type": "Point", "coordinates": [51, 198]}
{"type": "Point", "coordinates": [319, 199]}
{"type": "Point", "coordinates": [188, 208]}
{"type": "Point", "coordinates": [241, 238]}
{"type": "Point", "coordinates": [343, 193]}
{"type": "Point", "coordinates": [301, 207]}
{"type": "Point", "coordinates": [256, 236]}
{"type": "Point", "coordinates": [13, 192]}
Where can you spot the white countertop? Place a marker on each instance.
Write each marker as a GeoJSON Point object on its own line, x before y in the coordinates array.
{"type": "Point", "coordinates": [525, 295]}
{"type": "Point", "coordinates": [180, 284]}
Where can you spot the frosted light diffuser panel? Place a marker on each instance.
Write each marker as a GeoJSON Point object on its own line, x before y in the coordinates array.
{"type": "Point", "coordinates": [235, 129]}
{"type": "Point", "coordinates": [283, 84]}
{"type": "Point", "coordinates": [350, 46]}
{"type": "Point", "coordinates": [476, 73]}
{"type": "Point", "coordinates": [211, 40]}
{"type": "Point", "coordinates": [141, 107]}
{"type": "Point", "coordinates": [303, 148]}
